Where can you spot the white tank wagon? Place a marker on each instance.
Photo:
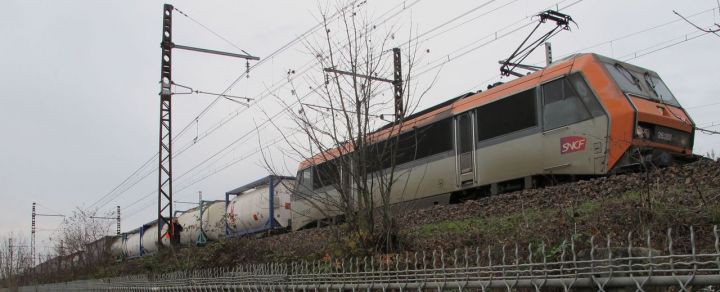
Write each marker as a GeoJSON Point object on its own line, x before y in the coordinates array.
{"type": "Point", "coordinates": [214, 220]}
{"type": "Point", "coordinates": [212, 223]}
{"type": "Point", "coordinates": [260, 206]}
{"type": "Point", "coordinates": [131, 243]}
{"type": "Point", "coordinates": [116, 247]}
{"type": "Point", "coordinates": [190, 222]}
{"type": "Point", "coordinates": [149, 238]}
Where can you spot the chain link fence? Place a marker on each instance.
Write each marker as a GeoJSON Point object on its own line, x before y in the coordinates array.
{"type": "Point", "coordinates": [637, 263]}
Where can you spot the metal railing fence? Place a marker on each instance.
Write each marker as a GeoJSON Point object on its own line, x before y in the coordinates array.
{"type": "Point", "coordinates": [567, 266]}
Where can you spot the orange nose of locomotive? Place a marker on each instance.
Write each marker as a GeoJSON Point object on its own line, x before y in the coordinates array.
{"type": "Point", "coordinates": [662, 131]}
{"type": "Point", "coordinates": [662, 126]}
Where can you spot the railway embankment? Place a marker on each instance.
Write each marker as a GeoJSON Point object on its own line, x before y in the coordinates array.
{"type": "Point", "coordinates": [675, 197]}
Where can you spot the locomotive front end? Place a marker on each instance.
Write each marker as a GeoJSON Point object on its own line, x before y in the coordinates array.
{"type": "Point", "coordinates": [657, 131]}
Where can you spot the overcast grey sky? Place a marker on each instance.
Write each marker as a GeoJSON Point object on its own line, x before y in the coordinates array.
{"type": "Point", "coordinates": [79, 84]}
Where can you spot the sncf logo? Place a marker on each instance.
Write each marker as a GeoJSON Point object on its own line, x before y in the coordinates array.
{"type": "Point", "coordinates": [572, 144]}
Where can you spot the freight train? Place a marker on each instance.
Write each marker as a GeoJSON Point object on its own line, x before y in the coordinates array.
{"type": "Point", "coordinates": [583, 116]}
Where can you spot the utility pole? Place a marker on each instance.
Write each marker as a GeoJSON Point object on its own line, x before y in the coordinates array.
{"type": "Point", "coordinates": [34, 230]}
{"type": "Point", "coordinates": [32, 238]}
{"type": "Point", "coordinates": [165, 192]}
{"type": "Point", "coordinates": [118, 221]}
{"type": "Point", "coordinates": [397, 82]}
{"type": "Point", "coordinates": [398, 85]}
{"type": "Point", "coordinates": [10, 246]}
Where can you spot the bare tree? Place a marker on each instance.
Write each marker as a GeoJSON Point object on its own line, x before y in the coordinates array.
{"type": "Point", "coordinates": [707, 30]}
{"type": "Point", "coordinates": [82, 240]}
{"type": "Point", "coordinates": [15, 259]}
{"type": "Point", "coordinates": [350, 139]}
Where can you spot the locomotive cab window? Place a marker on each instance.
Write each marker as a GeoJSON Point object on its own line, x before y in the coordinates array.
{"type": "Point", "coordinates": [325, 174]}
{"type": "Point", "coordinates": [564, 105]}
{"type": "Point", "coordinates": [510, 114]}
{"type": "Point", "coordinates": [305, 178]}
{"type": "Point", "coordinates": [641, 83]}
{"type": "Point", "coordinates": [586, 95]}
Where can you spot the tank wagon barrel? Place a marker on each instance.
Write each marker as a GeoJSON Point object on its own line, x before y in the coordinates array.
{"type": "Point", "coordinates": [262, 205]}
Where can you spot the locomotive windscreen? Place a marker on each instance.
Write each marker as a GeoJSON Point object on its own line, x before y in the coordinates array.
{"type": "Point", "coordinates": [641, 82]}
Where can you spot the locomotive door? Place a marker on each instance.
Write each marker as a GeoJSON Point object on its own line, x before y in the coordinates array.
{"type": "Point", "coordinates": [464, 148]}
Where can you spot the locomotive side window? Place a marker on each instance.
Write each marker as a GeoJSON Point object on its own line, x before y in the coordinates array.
{"type": "Point", "coordinates": [434, 138]}
{"type": "Point", "coordinates": [379, 155]}
{"type": "Point", "coordinates": [325, 174]}
{"type": "Point", "coordinates": [405, 151]}
{"type": "Point", "coordinates": [562, 105]}
{"type": "Point", "coordinates": [510, 114]}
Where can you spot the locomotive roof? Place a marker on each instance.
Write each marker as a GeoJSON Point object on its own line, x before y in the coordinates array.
{"type": "Point", "coordinates": [427, 110]}
{"type": "Point", "coordinates": [258, 183]}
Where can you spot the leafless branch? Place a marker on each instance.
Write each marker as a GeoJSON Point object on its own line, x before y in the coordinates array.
{"type": "Point", "coordinates": [713, 31]}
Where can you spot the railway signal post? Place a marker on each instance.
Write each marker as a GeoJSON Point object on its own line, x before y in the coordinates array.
{"type": "Point", "coordinates": [165, 193]}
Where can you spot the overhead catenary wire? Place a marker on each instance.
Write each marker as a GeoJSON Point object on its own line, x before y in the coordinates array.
{"type": "Point", "coordinates": [707, 131]}
{"type": "Point", "coordinates": [221, 168]}
{"type": "Point", "coordinates": [663, 45]}
{"type": "Point", "coordinates": [50, 209]}
{"type": "Point", "coordinates": [493, 36]}
{"type": "Point", "coordinates": [211, 31]}
{"type": "Point", "coordinates": [230, 97]}
{"type": "Point", "coordinates": [470, 11]}
{"type": "Point", "coordinates": [632, 34]}
{"type": "Point", "coordinates": [109, 194]}
{"type": "Point", "coordinates": [331, 109]}
{"type": "Point", "coordinates": [702, 106]}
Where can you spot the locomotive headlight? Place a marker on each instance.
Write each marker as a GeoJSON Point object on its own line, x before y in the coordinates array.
{"type": "Point", "coordinates": [643, 132]}
{"type": "Point", "coordinates": [684, 142]}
